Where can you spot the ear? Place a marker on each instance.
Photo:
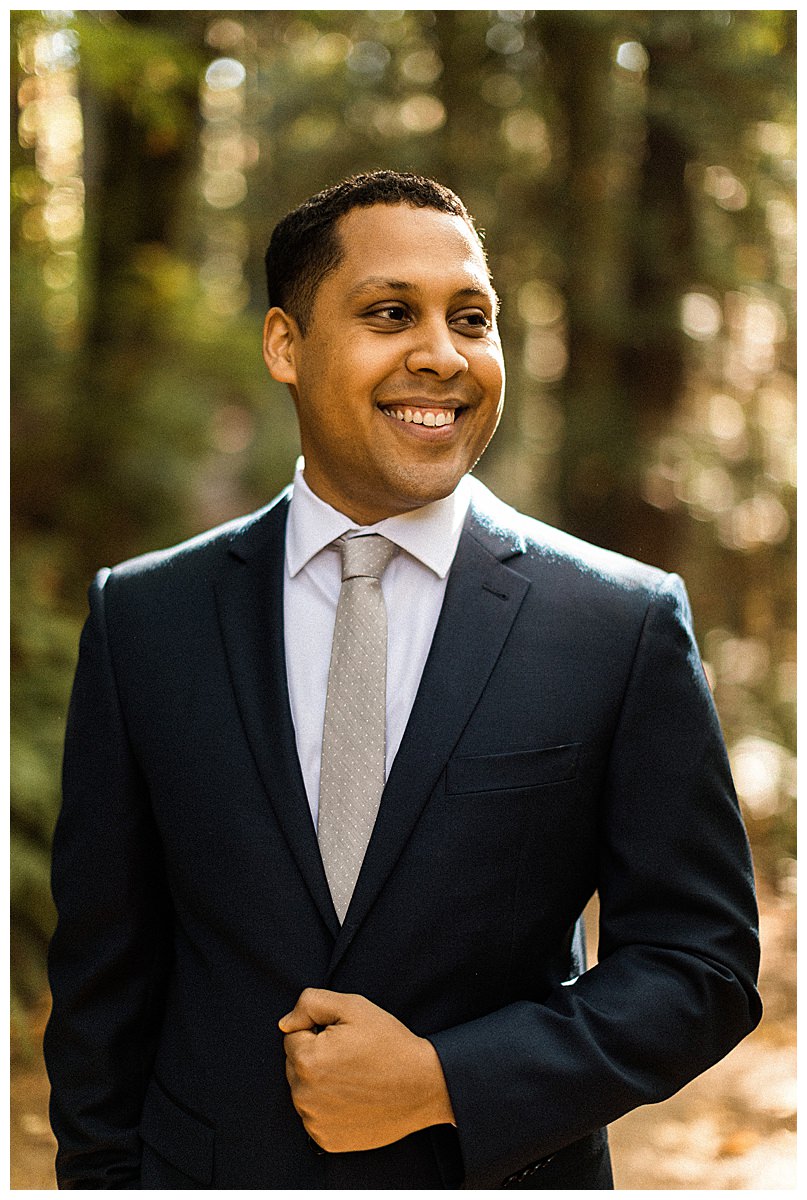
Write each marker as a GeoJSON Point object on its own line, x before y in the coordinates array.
{"type": "Point", "coordinates": [280, 336]}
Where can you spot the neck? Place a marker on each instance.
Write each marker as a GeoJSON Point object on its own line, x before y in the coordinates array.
{"type": "Point", "coordinates": [355, 511]}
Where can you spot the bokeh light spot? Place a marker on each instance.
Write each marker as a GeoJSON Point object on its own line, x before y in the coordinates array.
{"type": "Point", "coordinates": [632, 56]}
{"type": "Point", "coordinates": [726, 417]}
{"type": "Point", "coordinates": [422, 113]}
{"type": "Point", "coordinates": [224, 189]}
{"type": "Point", "coordinates": [505, 37]}
{"type": "Point", "coordinates": [223, 74]}
{"type": "Point", "coordinates": [726, 188]}
{"type": "Point", "coordinates": [701, 316]}
{"type": "Point", "coordinates": [422, 67]}
{"type": "Point", "coordinates": [368, 58]}
{"type": "Point", "coordinates": [502, 91]}
{"type": "Point", "coordinates": [540, 303]}
{"type": "Point", "coordinates": [526, 132]}
{"type": "Point", "coordinates": [758, 766]}
{"type": "Point", "coordinates": [224, 34]}
{"type": "Point", "coordinates": [545, 355]}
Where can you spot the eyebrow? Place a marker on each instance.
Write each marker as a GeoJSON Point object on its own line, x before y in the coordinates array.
{"type": "Point", "coordinates": [376, 282]}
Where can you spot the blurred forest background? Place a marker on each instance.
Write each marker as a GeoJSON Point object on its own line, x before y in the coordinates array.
{"type": "Point", "coordinates": [635, 174]}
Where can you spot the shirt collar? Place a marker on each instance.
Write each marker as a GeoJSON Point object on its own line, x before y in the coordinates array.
{"type": "Point", "coordinates": [430, 533]}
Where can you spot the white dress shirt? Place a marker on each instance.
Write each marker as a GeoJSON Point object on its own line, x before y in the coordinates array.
{"type": "Point", "coordinates": [413, 585]}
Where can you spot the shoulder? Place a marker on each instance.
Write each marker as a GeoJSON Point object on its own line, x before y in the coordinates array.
{"type": "Point", "coordinates": [586, 579]}
{"type": "Point", "coordinates": [546, 546]}
{"type": "Point", "coordinates": [201, 557]}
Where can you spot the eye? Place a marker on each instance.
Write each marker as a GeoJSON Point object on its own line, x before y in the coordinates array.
{"type": "Point", "coordinates": [472, 321]}
{"type": "Point", "coordinates": [393, 314]}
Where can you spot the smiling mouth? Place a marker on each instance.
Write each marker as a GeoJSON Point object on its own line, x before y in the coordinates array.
{"type": "Point", "coordinates": [430, 417]}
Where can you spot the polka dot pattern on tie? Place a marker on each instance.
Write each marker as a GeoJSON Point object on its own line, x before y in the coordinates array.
{"type": "Point", "coordinates": [354, 734]}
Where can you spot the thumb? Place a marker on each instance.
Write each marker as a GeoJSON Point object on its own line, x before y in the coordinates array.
{"type": "Point", "coordinates": [315, 1006]}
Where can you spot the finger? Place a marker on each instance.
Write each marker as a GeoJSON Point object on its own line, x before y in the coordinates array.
{"type": "Point", "coordinates": [296, 1043]}
{"type": "Point", "coordinates": [296, 1021]}
{"type": "Point", "coordinates": [315, 1006]}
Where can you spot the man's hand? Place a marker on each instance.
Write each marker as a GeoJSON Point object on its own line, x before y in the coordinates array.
{"type": "Point", "coordinates": [364, 1080]}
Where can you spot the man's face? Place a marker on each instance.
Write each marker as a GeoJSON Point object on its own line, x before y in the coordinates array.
{"type": "Point", "coordinates": [399, 380]}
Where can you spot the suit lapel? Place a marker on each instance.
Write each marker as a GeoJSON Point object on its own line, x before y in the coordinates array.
{"type": "Point", "coordinates": [250, 605]}
{"type": "Point", "coordinates": [482, 599]}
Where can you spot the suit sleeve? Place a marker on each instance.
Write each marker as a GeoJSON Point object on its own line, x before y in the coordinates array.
{"type": "Point", "coordinates": [674, 988]}
{"type": "Point", "coordinates": [108, 956]}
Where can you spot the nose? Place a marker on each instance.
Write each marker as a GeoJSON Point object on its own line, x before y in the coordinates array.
{"type": "Point", "coordinates": [435, 353]}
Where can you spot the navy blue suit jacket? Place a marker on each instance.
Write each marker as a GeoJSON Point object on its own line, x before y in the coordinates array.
{"type": "Point", "coordinates": [563, 741]}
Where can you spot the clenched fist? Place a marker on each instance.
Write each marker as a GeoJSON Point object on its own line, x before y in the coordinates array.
{"type": "Point", "coordinates": [364, 1080]}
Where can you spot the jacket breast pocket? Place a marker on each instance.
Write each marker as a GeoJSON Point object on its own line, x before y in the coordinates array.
{"type": "Point", "coordinates": [181, 1138]}
{"type": "Point", "coordinates": [517, 769]}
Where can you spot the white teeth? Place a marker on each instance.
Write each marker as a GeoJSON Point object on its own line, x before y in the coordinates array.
{"type": "Point", "coordinates": [428, 418]}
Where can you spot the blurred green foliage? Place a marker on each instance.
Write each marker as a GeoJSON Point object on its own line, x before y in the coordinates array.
{"type": "Point", "coordinates": [634, 174]}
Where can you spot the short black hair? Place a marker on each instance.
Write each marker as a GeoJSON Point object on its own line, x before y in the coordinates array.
{"type": "Point", "coordinates": [305, 245]}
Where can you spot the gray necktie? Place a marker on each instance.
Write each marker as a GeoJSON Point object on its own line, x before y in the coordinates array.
{"type": "Point", "coordinates": [354, 735]}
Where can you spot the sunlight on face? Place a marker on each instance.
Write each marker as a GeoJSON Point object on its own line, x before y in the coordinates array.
{"type": "Point", "coordinates": [399, 380]}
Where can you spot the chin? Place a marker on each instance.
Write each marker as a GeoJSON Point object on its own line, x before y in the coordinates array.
{"type": "Point", "coordinates": [417, 497]}
{"type": "Point", "coordinates": [423, 488]}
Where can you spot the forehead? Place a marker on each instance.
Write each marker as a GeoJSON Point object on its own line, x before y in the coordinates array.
{"type": "Point", "coordinates": [398, 241]}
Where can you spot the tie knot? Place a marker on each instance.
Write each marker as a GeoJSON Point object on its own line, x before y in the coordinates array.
{"type": "Point", "coordinates": [367, 556]}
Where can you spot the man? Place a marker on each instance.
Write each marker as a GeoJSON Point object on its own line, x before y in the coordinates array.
{"type": "Point", "coordinates": [318, 925]}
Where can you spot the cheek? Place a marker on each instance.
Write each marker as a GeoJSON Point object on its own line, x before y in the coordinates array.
{"type": "Point", "coordinates": [349, 379]}
{"type": "Point", "coordinates": [369, 362]}
{"type": "Point", "coordinates": [488, 367]}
